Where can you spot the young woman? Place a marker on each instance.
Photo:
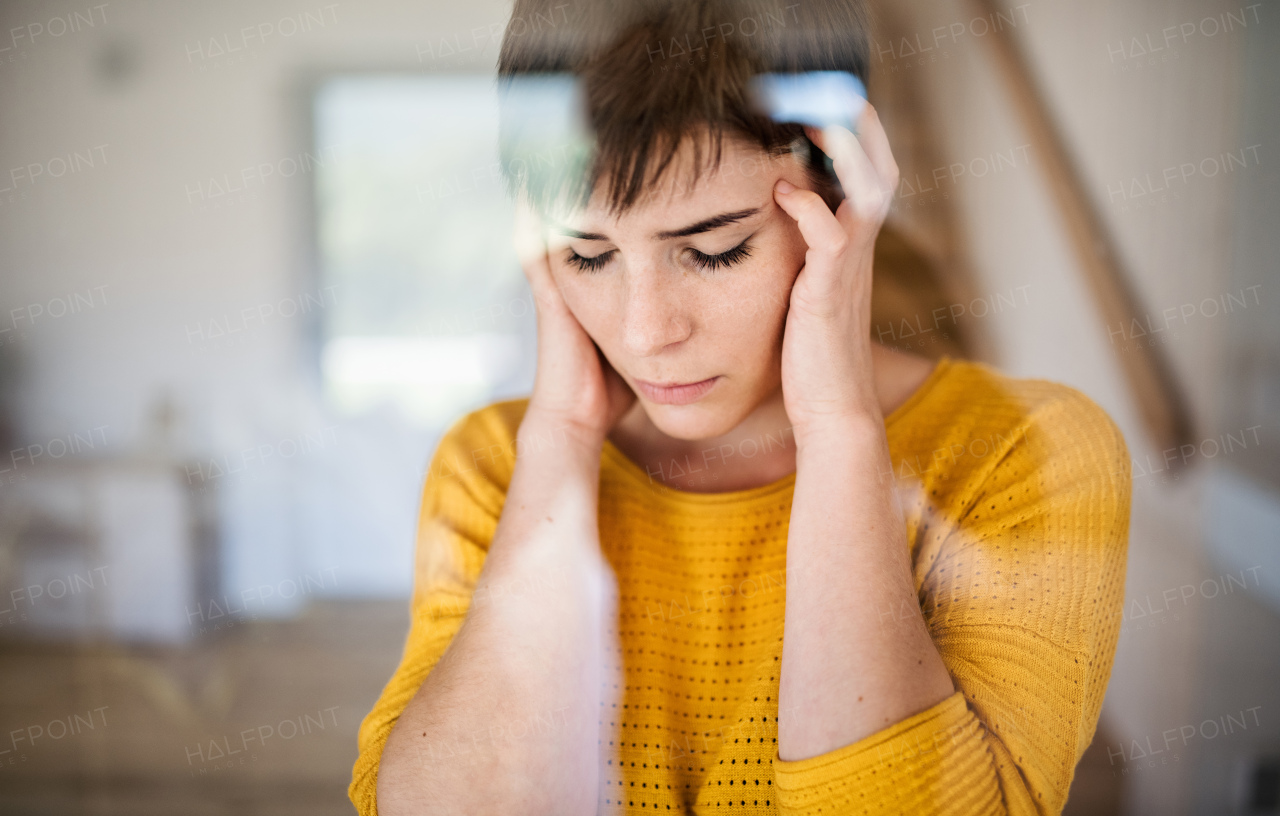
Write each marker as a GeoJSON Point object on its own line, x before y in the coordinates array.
{"type": "Point", "coordinates": [731, 553]}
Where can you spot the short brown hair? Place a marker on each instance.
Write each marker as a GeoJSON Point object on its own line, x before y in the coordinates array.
{"type": "Point", "coordinates": [654, 73]}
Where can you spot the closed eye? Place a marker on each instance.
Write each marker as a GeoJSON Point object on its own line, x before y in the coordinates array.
{"type": "Point", "coordinates": [702, 260]}
{"type": "Point", "coordinates": [728, 258]}
{"type": "Point", "coordinates": [592, 264]}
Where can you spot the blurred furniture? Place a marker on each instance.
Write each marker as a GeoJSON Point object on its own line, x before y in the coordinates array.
{"type": "Point", "coordinates": [103, 548]}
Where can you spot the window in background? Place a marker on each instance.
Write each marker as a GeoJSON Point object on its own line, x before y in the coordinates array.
{"type": "Point", "coordinates": [431, 313]}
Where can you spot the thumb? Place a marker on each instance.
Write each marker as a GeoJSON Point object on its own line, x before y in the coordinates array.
{"type": "Point", "coordinates": [529, 238]}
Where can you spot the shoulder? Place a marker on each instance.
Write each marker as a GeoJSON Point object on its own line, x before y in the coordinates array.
{"type": "Point", "coordinates": [1045, 417]}
{"type": "Point", "coordinates": [992, 388]}
{"type": "Point", "coordinates": [1031, 500]}
{"type": "Point", "coordinates": [1066, 421]}
{"type": "Point", "coordinates": [479, 449]}
{"type": "Point", "coordinates": [1061, 474]}
{"type": "Point", "coordinates": [977, 437]}
{"type": "Point", "coordinates": [495, 422]}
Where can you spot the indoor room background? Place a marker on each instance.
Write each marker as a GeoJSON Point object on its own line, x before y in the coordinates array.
{"type": "Point", "coordinates": [255, 258]}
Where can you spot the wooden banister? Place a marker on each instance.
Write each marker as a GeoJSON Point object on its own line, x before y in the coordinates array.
{"type": "Point", "coordinates": [1151, 379]}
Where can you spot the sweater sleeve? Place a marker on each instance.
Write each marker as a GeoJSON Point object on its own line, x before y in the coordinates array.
{"type": "Point", "coordinates": [1022, 587]}
{"type": "Point", "coordinates": [462, 500]}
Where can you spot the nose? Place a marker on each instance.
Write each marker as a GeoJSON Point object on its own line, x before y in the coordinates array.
{"type": "Point", "coordinates": [653, 315]}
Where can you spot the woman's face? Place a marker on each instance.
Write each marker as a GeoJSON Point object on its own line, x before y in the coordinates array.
{"type": "Point", "coordinates": [686, 293]}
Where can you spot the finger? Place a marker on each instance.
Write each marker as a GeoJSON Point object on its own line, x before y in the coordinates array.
{"type": "Point", "coordinates": [818, 225]}
{"type": "Point", "coordinates": [863, 187]}
{"type": "Point", "coordinates": [529, 233]}
{"type": "Point", "coordinates": [875, 142]}
{"type": "Point", "coordinates": [871, 137]}
{"type": "Point", "coordinates": [531, 248]}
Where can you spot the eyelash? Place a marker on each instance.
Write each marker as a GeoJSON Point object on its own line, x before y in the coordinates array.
{"type": "Point", "coordinates": [727, 258]}
{"type": "Point", "coordinates": [700, 259]}
{"type": "Point", "coordinates": [592, 264]}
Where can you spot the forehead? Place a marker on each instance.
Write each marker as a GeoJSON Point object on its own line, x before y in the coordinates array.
{"type": "Point", "coordinates": [690, 189]}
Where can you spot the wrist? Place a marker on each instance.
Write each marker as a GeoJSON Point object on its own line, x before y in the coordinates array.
{"type": "Point", "coordinates": [540, 434]}
{"type": "Point", "coordinates": [854, 429]}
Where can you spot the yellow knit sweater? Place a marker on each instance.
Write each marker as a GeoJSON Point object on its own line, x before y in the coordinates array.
{"type": "Point", "coordinates": [1016, 494]}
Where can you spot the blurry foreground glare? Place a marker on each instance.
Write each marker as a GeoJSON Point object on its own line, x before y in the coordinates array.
{"type": "Point", "coordinates": [814, 98]}
{"type": "Point", "coordinates": [546, 142]}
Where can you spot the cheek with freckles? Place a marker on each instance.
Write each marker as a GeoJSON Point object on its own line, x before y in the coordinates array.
{"type": "Point", "coordinates": [739, 336]}
{"type": "Point", "coordinates": [746, 321]}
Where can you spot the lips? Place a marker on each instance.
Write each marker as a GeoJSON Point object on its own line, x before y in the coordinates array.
{"type": "Point", "coordinates": [676, 393]}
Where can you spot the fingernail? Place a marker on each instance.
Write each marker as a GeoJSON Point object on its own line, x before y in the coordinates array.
{"type": "Point", "coordinates": [784, 186]}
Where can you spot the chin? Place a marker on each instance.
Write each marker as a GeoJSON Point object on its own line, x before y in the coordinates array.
{"type": "Point", "coordinates": [695, 421]}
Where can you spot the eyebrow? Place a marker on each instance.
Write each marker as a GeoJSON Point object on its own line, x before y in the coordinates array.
{"type": "Point", "coordinates": [714, 222]}
{"type": "Point", "coordinates": [706, 225]}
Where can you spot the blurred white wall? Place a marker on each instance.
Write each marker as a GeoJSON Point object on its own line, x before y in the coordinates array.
{"type": "Point", "coordinates": [183, 222]}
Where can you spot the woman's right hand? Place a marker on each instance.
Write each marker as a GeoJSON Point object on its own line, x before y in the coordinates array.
{"type": "Point", "coordinates": [574, 384]}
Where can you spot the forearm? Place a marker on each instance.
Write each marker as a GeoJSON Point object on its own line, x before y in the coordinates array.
{"type": "Point", "coordinates": [526, 658]}
{"type": "Point", "coordinates": [853, 662]}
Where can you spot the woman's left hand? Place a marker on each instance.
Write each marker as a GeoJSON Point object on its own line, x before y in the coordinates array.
{"type": "Point", "coordinates": [827, 376]}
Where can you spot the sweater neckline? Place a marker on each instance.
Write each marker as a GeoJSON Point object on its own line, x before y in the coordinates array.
{"type": "Point", "coordinates": [624, 463]}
